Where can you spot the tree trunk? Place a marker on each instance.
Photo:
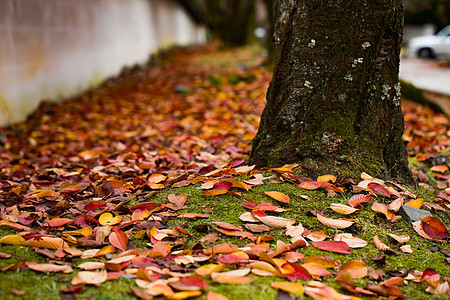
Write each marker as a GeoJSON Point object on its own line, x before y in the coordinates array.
{"type": "Point", "coordinates": [334, 100]}
{"type": "Point", "coordinates": [232, 21]}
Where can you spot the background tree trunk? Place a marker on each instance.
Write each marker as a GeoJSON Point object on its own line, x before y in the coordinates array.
{"type": "Point", "coordinates": [334, 100]}
{"type": "Point", "coordinates": [232, 21]}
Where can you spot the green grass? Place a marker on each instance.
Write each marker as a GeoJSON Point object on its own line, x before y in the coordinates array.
{"type": "Point", "coordinates": [227, 208]}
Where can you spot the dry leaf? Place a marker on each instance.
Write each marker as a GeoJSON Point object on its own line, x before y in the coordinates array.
{"type": "Point", "coordinates": [356, 268]}
{"type": "Point", "coordinates": [88, 277]}
{"type": "Point", "coordinates": [278, 196]}
{"type": "Point", "coordinates": [290, 287]}
{"type": "Point", "coordinates": [340, 224]}
{"type": "Point", "coordinates": [380, 245]}
{"type": "Point", "coordinates": [342, 208]}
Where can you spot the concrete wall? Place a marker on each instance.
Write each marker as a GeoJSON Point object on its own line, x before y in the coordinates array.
{"type": "Point", "coordinates": [52, 49]}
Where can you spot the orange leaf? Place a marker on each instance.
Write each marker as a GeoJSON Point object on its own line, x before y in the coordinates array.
{"type": "Point", "coordinates": [340, 224]}
{"type": "Point", "coordinates": [118, 239]}
{"type": "Point", "coordinates": [440, 169]}
{"type": "Point", "coordinates": [88, 277]}
{"type": "Point", "coordinates": [327, 178]}
{"type": "Point", "coordinates": [178, 200]}
{"type": "Point", "coordinates": [58, 222]}
{"type": "Point", "coordinates": [310, 185]}
{"type": "Point", "coordinates": [45, 242]}
{"type": "Point", "coordinates": [228, 279]}
{"type": "Point", "coordinates": [290, 287]}
{"type": "Point", "coordinates": [221, 249]}
{"type": "Point", "coordinates": [434, 228]}
{"type": "Point", "coordinates": [324, 261]}
{"type": "Point", "coordinates": [384, 209]}
{"type": "Point", "coordinates": [356, 268]}
{"type": "Point", "coordinates": [315, 270]}
{"type": "Point", "coordinates": [208, 269]}
{"type": "Point", "coordinates": [140, 214]}
{"type": "Point", "coordinates": [214, 296]}
{"type": "Point", "coordinates": [108, 219]}
{"type": "Point", "coordinates": [49, 268]}
{"type": "Point", "coordinates": [215, 193]}
{"type": "Point", "coordinates": [160, 250]}
{"type": "Point", "coordinates": [237, 184]}
{"type": "Point", "coordinates": [91, 265]}
{"type": "Point", "coordinates": [396, 204]}
{"type": "Point", "coordinates": [156, 178]}
{"type": "Point", "coordinates": [278, 196]}
{"type": "Point", "coordinates": [358, 199]}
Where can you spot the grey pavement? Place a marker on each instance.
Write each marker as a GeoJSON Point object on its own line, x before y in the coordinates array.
{"type": "Point", "coordinates": [425, 74]}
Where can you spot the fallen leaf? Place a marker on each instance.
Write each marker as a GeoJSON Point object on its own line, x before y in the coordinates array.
{"type": "Point", "coordinates": [384, 209]}
{"type": "Point", "coordinates": [342, 208]}
{"type": "Point", "coordinates": [275, 222]}
{"type": "Point", "coordinates": [378, 189]}
{"type": "Point", "coordinates": [49, 268]}
{"type": "Point", "coordinates": [118, 239]}
{"type": "Point", "coordinates": [333, 246]}
{"type": "Point", "coordinates": [406, 249]}
{"type": "Point", "coordinates": [357, 199]}
{"type": "Point", "coordinates": [290, 287]}
{"type": "Point", "coordinates": [108, 219]}
{"type": "Point", "coordinates": [380, 245]}
{"type": "Point", "coordinates": [315, 270]}
{"type": "Point", "coordinates": [356, 268]}
{"type": "Point", "coordinates": [352, 241]}
{"type": "Point", "coordinates": [340, 224]}
{"type": "Point", "coordinates": [327, 178]}
{"type": "Point", "coordinates": [214, 296]}
{"type": "Point", "coordinates": [45, 242]}
{"type": "Point", "coordinates": [439, 168]}
{"type": "Point", "coordinates": [278, 196]}
{"type": "Point", "coordinates": [401, 239]}
{"type": "Point", "coordinates": [12, 240]}
{"type": "Point", "coordinates": [434, 228]}
{"type": "Point", "coordinates": [58, 222]}
{"type": "Point", "coordinates": [88, 277]}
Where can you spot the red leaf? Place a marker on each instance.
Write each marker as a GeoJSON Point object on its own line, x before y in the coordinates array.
{"type": "Point", "coordinates": [333, 246]}
{"type": "Point", "coordinates": [434, 228]}
{"type": "Point", "coordinates": [378, 189]}
{"type": "Point", "coordinates": [150, 206]}
{"type": "Point", "coordinates": [222, 185]}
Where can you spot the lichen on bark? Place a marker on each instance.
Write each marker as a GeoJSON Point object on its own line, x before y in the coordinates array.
{"type": "Point", "coordinates": [334, 98]}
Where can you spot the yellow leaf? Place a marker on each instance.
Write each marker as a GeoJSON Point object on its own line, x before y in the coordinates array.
{"type": "Point", "coordinates": [327, 178]}
{"type": "Point", "coordinates": [108, 219]}
{"type": "Point", "coordinates": [290, 287]}
{"type": "Point", "coordinates": [12, 240]}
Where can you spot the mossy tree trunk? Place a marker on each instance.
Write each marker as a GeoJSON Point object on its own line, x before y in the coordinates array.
{"type": "Point", "coordinates": [334, 100]}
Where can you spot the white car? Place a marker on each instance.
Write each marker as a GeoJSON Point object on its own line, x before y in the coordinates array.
{"type": "Point", "coordinates": [431, 46]}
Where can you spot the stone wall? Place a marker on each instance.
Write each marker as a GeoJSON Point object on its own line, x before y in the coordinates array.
{"type": "Point", "coordinates": [53, 49]}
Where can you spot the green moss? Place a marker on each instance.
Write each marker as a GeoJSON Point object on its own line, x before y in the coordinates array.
{"type": "Point", "coordinates": [227, 208]}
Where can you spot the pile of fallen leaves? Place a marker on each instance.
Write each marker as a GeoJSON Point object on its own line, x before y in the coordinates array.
{"type": "Point", "coordinates": [78, 180]}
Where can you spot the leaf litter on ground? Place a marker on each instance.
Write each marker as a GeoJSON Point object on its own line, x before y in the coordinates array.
{"type": "Point", "coordinates": [81, 180]}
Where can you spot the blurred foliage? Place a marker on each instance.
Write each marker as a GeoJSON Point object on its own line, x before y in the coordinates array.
{"type": "Point", "coordinates": [427, 11]}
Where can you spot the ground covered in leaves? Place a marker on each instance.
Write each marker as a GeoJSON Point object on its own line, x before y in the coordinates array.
{"type": "Point", "coordinates": [140, 188]}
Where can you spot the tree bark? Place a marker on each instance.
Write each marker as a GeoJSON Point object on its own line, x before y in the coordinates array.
{"type": "Point", "coordinates": [334, 100]}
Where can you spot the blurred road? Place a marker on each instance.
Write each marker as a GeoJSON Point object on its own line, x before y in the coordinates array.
{"type": "Point", "coordinates": [426, 74]}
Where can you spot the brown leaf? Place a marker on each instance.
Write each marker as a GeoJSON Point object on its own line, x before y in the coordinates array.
{"type": "Point", "coordinates": [380, 245]}
{"type": "Point", "coordinates": [49, 268]}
